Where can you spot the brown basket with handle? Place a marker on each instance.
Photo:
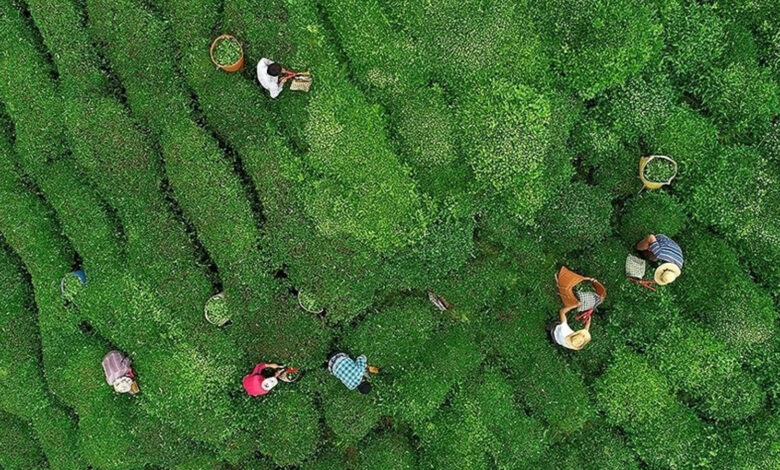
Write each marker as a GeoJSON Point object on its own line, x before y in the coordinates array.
{"type": "Point", "coordinates": [234, 67]}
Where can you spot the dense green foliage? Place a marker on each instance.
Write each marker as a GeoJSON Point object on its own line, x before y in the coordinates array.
{"type": "Point", "coordinates": [463, 147]}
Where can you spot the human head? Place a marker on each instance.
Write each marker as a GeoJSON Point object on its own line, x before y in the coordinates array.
{"type": "Point", "coordinates": [578, 339]}
{"type": "Point", "coordinates": [666, 273]}
{"type": "Point", "coordinates": [274, 70]}
{"type": "Point", "coordinates": [364, 387]}
{"type": "Point", "coordinates": [267, 372]}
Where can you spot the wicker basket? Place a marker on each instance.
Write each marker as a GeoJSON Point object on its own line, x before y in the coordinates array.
{"type": "Point", "coordinates": [234, 67]}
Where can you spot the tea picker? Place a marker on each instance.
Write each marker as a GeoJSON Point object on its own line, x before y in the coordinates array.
{"type": "Point", "coordinates": [655, 248]}
{"type": "Point", "coordinates": [265, 376]}
{"type": "Point", "coordinates": [119, 374]}
{"type": "Point", "coordinates": [352, 374]}
{"type": "Point", "coordinates": [584, 301]}
{"type": "Point", "coordinates": [272, 76]}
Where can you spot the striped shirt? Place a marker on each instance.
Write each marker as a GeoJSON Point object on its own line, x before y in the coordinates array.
{"type": "Point", "coordinates": [115, 365]}
{"type": "Point", "coordinates": [348, 371]}
{"type": "Point", "coordinates": [665, 249]}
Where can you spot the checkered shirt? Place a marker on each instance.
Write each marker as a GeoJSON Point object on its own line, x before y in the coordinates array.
{"type": "Point", "coordinates": [348, 371]}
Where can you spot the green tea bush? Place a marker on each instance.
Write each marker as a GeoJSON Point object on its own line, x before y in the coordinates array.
{"type": "Point", "coordinates": [120, 161]}
{"type": "Point", "coordinates": [707, 372]}
{"type": "Point", "coordinates": [290, 427]}
{"type": "Point", "coordinates": [506, 136]}
{"type": "Point", "coordinates": [661, 430]}
{"type": "Point", "coordinates": [742, 98]}
{"type": "Point", "coordinates": [596, 446]}
{"type": "Point", "coordinates": [482, 420]}
{"type": "Point", "coordinates": [455, 438]}
{"type": "Point", "coordinates": [597, 45]}
{"type": "Point", "coordinates": [391, 451]}
{"type": "Point", "coordinates": [692, 141]}
{"type": "Point", "coordinates": [752, 444]}
{"type": "Point", "coordinates": [577, 215]}
{"type": "Point", "coordinates": [394, 336]}
{"type": "Point", "coordinates": [350, 415]}
{"type": "Point", "coordinates": [651, 212]}
{"type": "Point", "coordinates": [20, 449]}
{"type": "Point", "coordinates": [723, 296]}
{"type": "Point", "coordinates": [549, 388]}
{"type": "Point", "coordinates": [467, 44]}
{"type": "Point", "coordinates": [605, 159]}
{"type": "Point", "coordinates": [638, 106]}
{"type": "Point", "coordinates": [446, 360]}
{"type": "Point", "coordinates": [694, 39]}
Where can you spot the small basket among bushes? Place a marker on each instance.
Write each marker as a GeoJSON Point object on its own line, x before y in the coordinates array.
{"type": "Point", "coordinates": [71, 284]}
{"type": "Point", "coordinates": [227, 53]}
{"type": "Point", "coordinates": [216, 310]}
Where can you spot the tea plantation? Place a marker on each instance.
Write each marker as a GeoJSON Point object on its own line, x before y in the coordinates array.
{"type": "Point", "coordinates": [464, 147]}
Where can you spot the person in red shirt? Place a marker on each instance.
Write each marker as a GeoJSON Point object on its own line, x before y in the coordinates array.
{"type": "Point", "coordinates": [263, 379]}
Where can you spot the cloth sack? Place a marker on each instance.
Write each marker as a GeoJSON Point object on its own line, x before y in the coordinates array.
{"type": "Point", "coordinates": [588, 301]}
{"type": "Point", "coordinates": [635, 267]}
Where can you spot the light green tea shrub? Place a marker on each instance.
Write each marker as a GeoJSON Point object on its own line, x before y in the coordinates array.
{"type": "Point", "coordinates": [651, 212]}
{"type": "Point", "coordinates": [707, 372]}
{"type": "Point", "coordinates": [578, 215]}
{"type": "Point", "coordinates": [598, 44]}
{"type": "Point", "coordinates": [391, 451]}
{"type": "Point", "coordinates": [20, 448]}
{"type": "Point", "coordinates": [637, 399]}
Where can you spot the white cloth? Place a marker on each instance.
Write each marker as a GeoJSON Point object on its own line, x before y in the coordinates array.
{"type": "Point", "coordinates": [268, 82]}
{"type": "Point", "coordinates": [561, 332]}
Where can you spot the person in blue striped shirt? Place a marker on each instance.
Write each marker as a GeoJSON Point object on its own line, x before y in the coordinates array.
{"type": "Point", "coordinates": [668, 252]}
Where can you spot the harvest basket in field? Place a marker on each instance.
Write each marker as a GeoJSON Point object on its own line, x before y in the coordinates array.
{"type": "Point", "coordinates": [309, 303]}
{"type": "Point", "coordinates": [227, 54]}
{"type": "Point", "coordinates": [216, 310]}
{"type": "Point", "coordinates": [71, 283]}
{"type": "Point", "coordinates": [656, 171]}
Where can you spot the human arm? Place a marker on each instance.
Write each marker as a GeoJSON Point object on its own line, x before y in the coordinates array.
{"type": "Point", "coordinates": [645, 243]}
{"type": "Point", "coordinates": [562, 314]}
{"type": "Point", "coordinates": [361, 361]}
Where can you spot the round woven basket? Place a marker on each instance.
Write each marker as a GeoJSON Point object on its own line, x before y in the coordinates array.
{"type": "Point", "coordinates": [234, 67]}
{"type": "Point", "coordinates": [300, 304]}
{"type": "Point", "coordinates": [655, 184]}
{"type": "Point", "coordinates": [221, 295]}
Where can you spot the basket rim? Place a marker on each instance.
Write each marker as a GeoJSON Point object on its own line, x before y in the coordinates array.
{"type": "Point", "coordinates": [220, 295]}
{"type": "Point", "coordinates": [223, 37]}
{"type": "Point", "coordinates": [645, 160]}
{"type": "Point", "coordinates": [300, 304]}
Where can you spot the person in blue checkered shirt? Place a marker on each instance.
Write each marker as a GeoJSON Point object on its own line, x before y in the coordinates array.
{"type": "Point", "coordinates": [351, 373]}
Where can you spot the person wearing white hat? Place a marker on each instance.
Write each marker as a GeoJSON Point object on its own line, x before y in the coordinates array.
{"type": "Point", "coordinates": [662, 248]}
{"type": "Point", "coordinates": [565, 336]}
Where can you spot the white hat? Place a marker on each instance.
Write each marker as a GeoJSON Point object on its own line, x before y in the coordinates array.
{"type": "Point", "coordinates": [269, 383]}
{"type": "Point", "coordinates": [666, 273]}
{"type": "Point", "coordinates": [123, 385]}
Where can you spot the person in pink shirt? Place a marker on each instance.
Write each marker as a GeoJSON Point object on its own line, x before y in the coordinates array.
{"type": "Point", "coordinates": [263, 379]}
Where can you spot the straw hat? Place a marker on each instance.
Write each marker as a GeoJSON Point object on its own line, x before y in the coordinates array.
{"type": "Point", "coordinates": [666, 273]}
{"type": "Point", "coordinates": [578, 339]}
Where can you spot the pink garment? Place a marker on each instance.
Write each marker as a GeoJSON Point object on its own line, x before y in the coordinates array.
{"type": "Point", "coordinates": [253, 383]}
{"type": "Point", "coordinates": [115, 366]}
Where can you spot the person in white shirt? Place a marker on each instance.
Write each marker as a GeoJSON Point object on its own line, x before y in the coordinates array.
{"type": "Point", "coordinates": [272, 76]}
{"type": "Point", "coordinates": [563, 335]}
